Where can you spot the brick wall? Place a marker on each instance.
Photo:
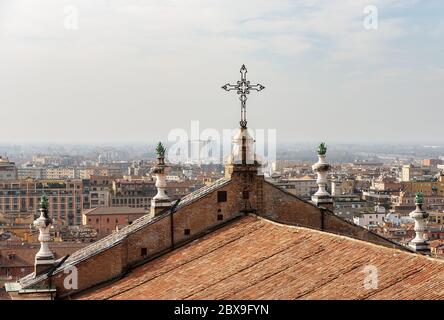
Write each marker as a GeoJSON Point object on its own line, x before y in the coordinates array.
{"type": "Point", "coordinates": [284, 207]}
{"type": "Point", "coordinates": [94, 270]}
{"type": "Point", "coordinates": [203, 214]}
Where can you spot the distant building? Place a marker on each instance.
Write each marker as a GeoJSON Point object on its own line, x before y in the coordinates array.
{"type": "Point", "coordinates": [20, 197]}
{"type": "Point", "coordinates": [349, 206]}
{"type": "Point", "coordinates": [107, 219]}
{"type": "Point", "coordinates": [437, 248]}
{"type": "Point", "coordinates": [100, 188]}
{"type": "Point", "coordinates": [405, 202]}
{"type": "Point", "coordinates": [436, 217]}
{"type": "Point", "coordinates": [341, 187]}
{"type": "Point", "coordinates": [302, 187]}
{"type": "Point", "coordinates": [135, 193]}
{"type": "Point", "coordinates": [377, 197]}
{"type": "Point", "coordinates": [8, 170]}
{"type": "Point", "coordinates": [386, 184]}
{"type": "Point", "coordinates": [59, 173]}
{"type": "Point", "coordinates": [30, 171]}
{"type": "Point", "coordinates": [367, 164]}
{"type": "Point", "coordinates": [17, 260]}
{"type": "Point", "coordinates": [435, 232]}
{"type": "Point", "coordinates": [414, 173]}
{"type": "Point", "coordinates": [371, 219]}
{"type": "Point", "coordinates": [428, 188]}
{"type": "Point", "coordinates": [180, 189]}
{"type": "Point", "coordinates": [432, 162]}
{"type": "Point", "coordinates": [139, 168]}
{"type": "Point", "coordinates": [85, 173]}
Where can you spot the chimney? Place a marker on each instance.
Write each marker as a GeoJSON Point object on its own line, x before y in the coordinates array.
{"type": "Point", "coordinates": [44, 259]}
{"type": "Point", "coordinates": [419, 243]}
{"type": "Point", "coordinates": [161, 201]}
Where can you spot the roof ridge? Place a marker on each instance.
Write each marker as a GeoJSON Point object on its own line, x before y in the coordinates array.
{"type": "Point", "coordinates": [337, 235]}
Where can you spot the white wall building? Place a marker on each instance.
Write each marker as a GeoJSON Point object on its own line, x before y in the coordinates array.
{"type": "Point", "coordinates": [371, 219]}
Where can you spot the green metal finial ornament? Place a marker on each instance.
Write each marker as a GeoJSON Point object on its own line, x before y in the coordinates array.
{"type": "Point", "coordinates": [44, 202]}
{"type": "Point", "coordinates": [322, 149]}
{"type": "Point", "coordinates": [160, 150]}
{"type": "Point", "coordinates": [419, 198]}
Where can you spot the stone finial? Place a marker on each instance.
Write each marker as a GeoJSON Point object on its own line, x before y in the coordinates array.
{"type": "Point", "coordinates": [161, 199]}
{"type": "Point", "coordinates": [322, 197]}
{"type": "Point", "coordinates": [419, 243]}
{"type": "Point", "coordinates": [44, 259]}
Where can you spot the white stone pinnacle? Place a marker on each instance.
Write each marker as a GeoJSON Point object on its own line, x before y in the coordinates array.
{"type": "Point", "coordinates": [43, 223]}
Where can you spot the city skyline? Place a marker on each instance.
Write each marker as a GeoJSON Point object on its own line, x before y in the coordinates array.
{"type": "Point", "coordinates": [130, 72]}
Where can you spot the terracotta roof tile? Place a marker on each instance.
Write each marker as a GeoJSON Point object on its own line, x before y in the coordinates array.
{"type": "Point", "coordinates": [253, 258]}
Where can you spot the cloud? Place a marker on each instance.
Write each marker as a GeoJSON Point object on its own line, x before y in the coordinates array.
{"type": "Point", "coordinates": [133, 59]}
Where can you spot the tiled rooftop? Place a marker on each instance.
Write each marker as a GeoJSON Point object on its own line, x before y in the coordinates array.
{"type": "Point", "coordinates": [116, 237]}
{"type": "Point", "coordinates": [253, 258]}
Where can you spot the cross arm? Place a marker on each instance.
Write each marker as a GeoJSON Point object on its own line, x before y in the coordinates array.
{"type": "Point", "coordinates": [229, 87]}
{"type": "Point", "coordinates": [256, 87]}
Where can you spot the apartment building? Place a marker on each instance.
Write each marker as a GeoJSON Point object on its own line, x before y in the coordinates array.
{"type": "Point", "coordinates": [135, 193]}
{"type": "Point", "coordinates": [100, 188]}
{"type": "Point", "coordinates": [302, 187]}
{"type": "Point", "coordinates": [30, 171]}
{"type": "Point", "coordinates": [58, 173]}
{"type": "Point", "coordinates": [66, 198]}
{"type": "Point", "coordinates": [428, 188]}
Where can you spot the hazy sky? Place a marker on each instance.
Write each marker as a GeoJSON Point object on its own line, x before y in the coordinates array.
{"type": "Point", "coordinates": [134, 70]}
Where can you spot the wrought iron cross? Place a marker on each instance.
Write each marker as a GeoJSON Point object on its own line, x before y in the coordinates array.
{"type": "Point", "coordinates": [243, 88]}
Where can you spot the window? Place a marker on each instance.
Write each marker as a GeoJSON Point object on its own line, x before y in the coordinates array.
{"type": "Point", "coordinates": [246, 194]}
{"type": "Point", "coordinates": [187, 232]}
{"type": "Point", "coordinates": [221, 196]}
{"type": "Point", "coordinates": [143, 251]}
{"type": "Point", "coordinates": [107, 220]}
{"type": "Point", "coordinates": [220, 217]}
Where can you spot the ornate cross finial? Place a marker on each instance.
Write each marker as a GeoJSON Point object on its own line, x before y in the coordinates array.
{"type": "Point", "coordinates": [243, 88]}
